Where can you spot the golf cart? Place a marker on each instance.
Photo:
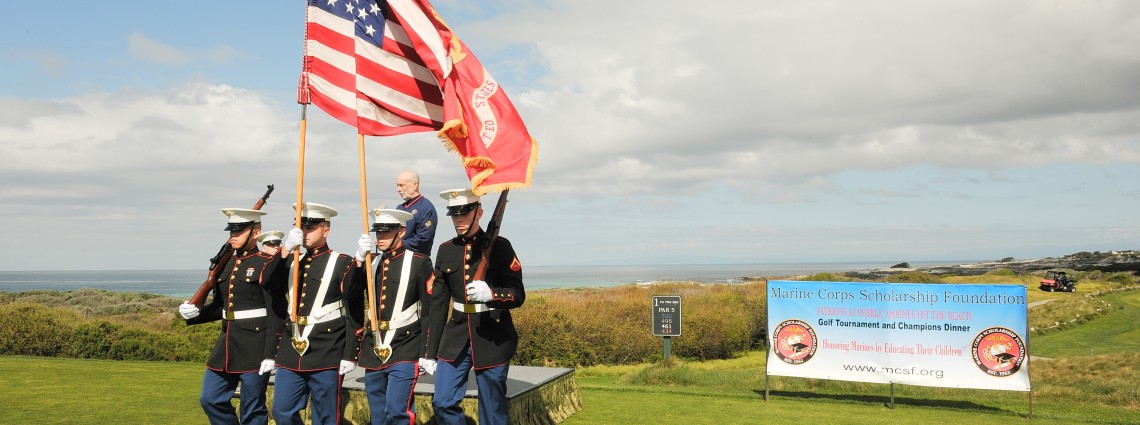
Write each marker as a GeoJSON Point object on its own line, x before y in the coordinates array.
{"type": "Point", "coordinates": [1058, 281]}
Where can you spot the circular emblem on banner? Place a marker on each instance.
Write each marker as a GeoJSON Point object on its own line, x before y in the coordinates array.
{"type": "Point", "coordinates": [998, 352]}
{"type": "Point", "coordinates": [795, 341]}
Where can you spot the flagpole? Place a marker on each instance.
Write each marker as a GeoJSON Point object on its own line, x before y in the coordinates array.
{"type": "Point", "coordinates": [297, 223]}
{"type": "Point", "coordinates": [373, 315]}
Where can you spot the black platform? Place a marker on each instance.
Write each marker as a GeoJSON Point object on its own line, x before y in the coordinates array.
{"type": "Point", "coordinates": [537, 396]}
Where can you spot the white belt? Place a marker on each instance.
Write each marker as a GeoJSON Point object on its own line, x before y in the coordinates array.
{"type": "Point", "coordinates": [470, 308]}
{"type": "Point", "coordinates": [243, 314]}
{"type": "Point", "coordinates": [398, 323]}
{"type": "Point", "coordinates": [323, 315]}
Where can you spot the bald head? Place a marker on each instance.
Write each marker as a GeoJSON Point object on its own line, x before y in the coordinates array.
{"type": "Point", "coordinates": [408, 184]}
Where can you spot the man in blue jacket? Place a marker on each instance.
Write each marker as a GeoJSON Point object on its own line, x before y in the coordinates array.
{"type": "Point", "coordinates": [420, 234]}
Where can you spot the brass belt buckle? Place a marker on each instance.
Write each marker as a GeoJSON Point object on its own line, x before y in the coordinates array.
{"type": "Point", "coordinates": [230, 315]}
{"type": "Point", "coordinates": [303, 320]}
{"type": "Point", "coordinates": [383, 325]}
{"type": "Point", "coordinates": [470, 308]}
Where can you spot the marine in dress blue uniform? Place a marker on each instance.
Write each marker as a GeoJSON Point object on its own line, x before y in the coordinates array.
{"type": "Point", "coordinates": [480, 333]}
{"type": "Point", "coordinates": [403, 284]}
{"type": "Point", "coordinates": [420, 233]}
{"type": "Point", "coordinates": [251, 283]}
{"type": "Point", "coordinates": [271, 241]}
{"type": "Point", "coordinates": [317, 350]}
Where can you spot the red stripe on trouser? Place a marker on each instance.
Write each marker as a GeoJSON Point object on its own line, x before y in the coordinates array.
{"type": "Point", "coordinates": [339, 385]}
{"type": "Point", "coordinates": [412, 395]}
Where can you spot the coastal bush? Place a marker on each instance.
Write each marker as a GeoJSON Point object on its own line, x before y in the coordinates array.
{"type": "Point", "coordinates": [1002, 273]}
{"type": "Point", "coordinates": [1122, 279]}
{"type": "Point", "coordinates": [42, 330]}
{"type": "Point", "coordinates": [913, 277]}
{"type": "Point", "coordinates": [35, 330]}
{"type": "Point", "coordinates": [825, 277]}
{"type": "Point", "coordinates": [580, 327]}
{"type": "Point", "coordinates": [91, 340]}
{"type": "Point", "coordinates": [96, 302]}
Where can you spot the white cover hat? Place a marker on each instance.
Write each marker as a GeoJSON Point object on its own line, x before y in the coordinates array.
{"type": "Point", "coordinates": [239, 218]}
{"type": "Point", "coordinates": [458, 199]}
{"type": "Point", "coordinates": [271, 236]}
{"type": "Point", "coordinates": [313, 213]}
{"type": "Point", "coordinates": [386, 219]}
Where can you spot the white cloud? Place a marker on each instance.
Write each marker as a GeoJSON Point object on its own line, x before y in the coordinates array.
{"type": "Point", "coordinates": [47, 62]}
{"type": "Point", "coordinates": [872, 85]}
{"type": "Point", "coordinates": [150, 50]}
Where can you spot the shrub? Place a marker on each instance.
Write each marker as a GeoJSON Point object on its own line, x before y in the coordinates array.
{"type": "Point", "coordinates": [1002, 273]}
{"type": "Point", "coordinates": [583, 327]}
{"type": "Point", "coordinates": [35, 330]}
{"type": "Point", "coordinates": [913, 277]}
{"type": "Point", "coordinates": [1122, 279]}
{"type": "Point", "coordinates": [91, 341]}
{"type": "Point", "coordinates": [133, 344]}
{"type": "Point", "coordinates": [61, 328]}
{"type": "Point", "coordinates": [825, 277]}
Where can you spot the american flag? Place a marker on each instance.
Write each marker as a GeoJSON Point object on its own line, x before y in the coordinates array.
{"type": "Point", "coordinates": [360, 68]}
{"type": "Point", "coordinates": [394, 67]}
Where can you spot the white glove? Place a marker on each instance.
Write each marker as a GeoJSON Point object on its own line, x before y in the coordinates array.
{"type": "Point", "coordinates": [428, 366]}
{"type": "Point", "coordinates": [346, 366]}
{"type": "Point", "coordinates": [267, 366]}
{"type": "Point", "coordinates": [294, 239]}
{"type": "Point", "coordinates": [364, 246]}
{"type": "Point", "coordinates": [478, 291]}
{"type": "Point", "coordinates": [188, 311]}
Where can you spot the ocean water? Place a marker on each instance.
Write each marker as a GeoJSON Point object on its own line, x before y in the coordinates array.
{"type": "Point", "coordinates": [183, 283]}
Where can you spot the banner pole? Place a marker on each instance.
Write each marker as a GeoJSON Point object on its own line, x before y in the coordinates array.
{"type": "Point", "coordinates": [767, 346]}
{"type": "Point", "coordinates": [765, 383]}
{"type": "Point", "coordinates": [1029, 361]}
{"type": "Point", "coordinates": [892, 395]}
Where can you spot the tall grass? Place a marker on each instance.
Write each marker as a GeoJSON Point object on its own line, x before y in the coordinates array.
{"type": "Point", "coordinates": [589, 326]}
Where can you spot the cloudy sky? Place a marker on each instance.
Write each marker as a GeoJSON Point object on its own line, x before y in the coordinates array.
{"type": "Point", "coordinates": [734, 131]}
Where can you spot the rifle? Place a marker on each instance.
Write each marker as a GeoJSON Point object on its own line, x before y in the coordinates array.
{"type": "Point", "coordinates": [222, 257]}
{"type": "Point", "coordinates": [492, 235]}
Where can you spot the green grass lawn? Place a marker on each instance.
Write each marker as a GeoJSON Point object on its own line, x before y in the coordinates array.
{"type": "Point", "coordinates": [731, 392]}
{"type": "Point", "coordinates": [1115, 332]}
{"type": "Point", "coordinates": [41, 390]}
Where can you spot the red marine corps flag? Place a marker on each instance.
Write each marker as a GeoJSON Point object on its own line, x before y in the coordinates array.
{"type": "Point", "coordinates": [480, 123]}
{"type": "Point", "coordinates": [394, 67]}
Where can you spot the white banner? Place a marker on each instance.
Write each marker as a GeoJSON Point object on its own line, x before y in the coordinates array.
{"type": "Point", "coordinates": [938, 335]}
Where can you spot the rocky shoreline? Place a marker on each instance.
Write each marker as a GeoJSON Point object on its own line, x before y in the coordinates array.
{"type": "Point", "coordinates": [1113, 261]}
